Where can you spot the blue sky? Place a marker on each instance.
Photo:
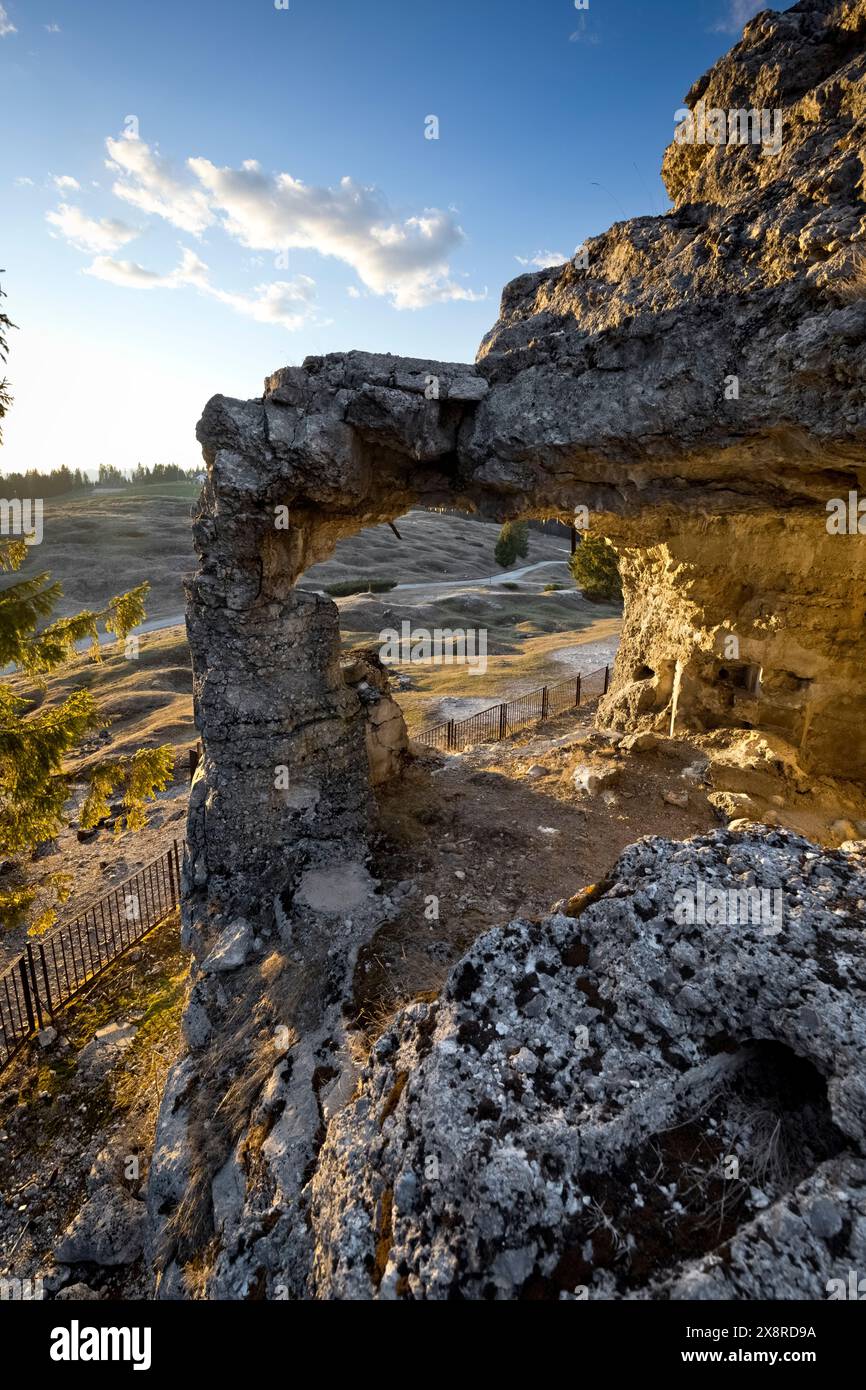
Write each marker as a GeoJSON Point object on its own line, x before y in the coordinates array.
{"type": "Point", "coordinates": [195, 193]}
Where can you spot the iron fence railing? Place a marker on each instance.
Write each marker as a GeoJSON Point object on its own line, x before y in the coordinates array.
{"type": "Point", "coordinates": [499, 721]}
{"type": "Point", "coordinates": [52, 969]}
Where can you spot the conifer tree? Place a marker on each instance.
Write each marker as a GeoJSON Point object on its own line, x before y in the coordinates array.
{"type": "Point", "coordinates": [506, 550]}
{"type": "Point", "coordinates": [595, 569]}
{"type": "Point", "coordinates": [521, 533]}
{"type": "Point", "coordinates": [36, 738]}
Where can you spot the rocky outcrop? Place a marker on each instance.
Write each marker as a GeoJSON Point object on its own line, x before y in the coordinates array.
{"type": "Point", "coordinates": [642, 1100]}
{"type": "Point", "coordinates": [387, 737]}
{"type": "Point", "coordinates": [694, 387]}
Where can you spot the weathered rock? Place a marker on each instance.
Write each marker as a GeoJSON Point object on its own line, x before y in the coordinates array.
{"type": "Point", "coordinates": [743, 613]}
{"type": "Point", "coordinates": [677, 798]}
{"type": "Point", "coordinates": [594, 779]}
{"type": "Point", "coordinates": [640, 743]}
{"type": "Point", "coordinates": [108, 1230]}
{"type": "Point", "coordinates": [386, 735]}
{"type": "Point", "coordinates": [105, 1050]}
{"type": "Point", "coordinates": [231, 950]}
{"type": "Point", "coordinates": [492, 1141]}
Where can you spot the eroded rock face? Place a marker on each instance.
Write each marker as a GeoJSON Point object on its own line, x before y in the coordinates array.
{"type": "Point", "coordinates": [562, 1117]}
{"type": "Point", "coordinates": [387, 737]}
{"type": "Point", "coordinates": [699, 388]}
{"type": "Point", "coordinates": [608, 388]}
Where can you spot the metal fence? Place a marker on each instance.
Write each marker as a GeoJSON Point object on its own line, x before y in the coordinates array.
{"type": "Point", "coordinates": [502, 720]}
{"type": "Point", "coordinates": [51, 970]}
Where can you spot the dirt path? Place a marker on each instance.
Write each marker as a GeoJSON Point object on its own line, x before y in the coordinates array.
{"type": "Point", "coordinates": [501, 832]}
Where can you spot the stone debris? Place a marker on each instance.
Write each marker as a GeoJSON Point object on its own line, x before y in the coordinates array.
{"type": "Point", "coordinates": [108, 1230]}
{"type": "Point", "coordinates": [562, 1116]}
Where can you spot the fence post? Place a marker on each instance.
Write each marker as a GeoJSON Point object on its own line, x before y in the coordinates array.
{"type": "Point", "coordinates": [48, 1003]}
{"type": "Point", "coordinates": [606, 679]}
{"type": "Point", "coordinates": [28, 1002]}
{"type": "Point", "coordinates": [545, 702]}
{"type": "Point", "coordinates": [577, 692]}
{"type": "Point", "coordinates": [503, 721]}
{"type": "Point", "coordinates": [451, 738]}
{"type": "Point", "coordinates": [37, 1002]}
{"type": "Point", "coordinates": [174, 893]}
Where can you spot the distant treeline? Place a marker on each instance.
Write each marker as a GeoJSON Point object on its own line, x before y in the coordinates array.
{"type": "Point", "coordinates": [61, 480]}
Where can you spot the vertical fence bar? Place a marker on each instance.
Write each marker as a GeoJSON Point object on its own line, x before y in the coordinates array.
{"type": "Point", "coordinates": [120, 918]}
{"type": "Point", "coordinates": [545, 703]}
{"type": "Point", "coordinates": [171, 877]}
{"type": "Point", "coordinates": [42, 961]}
{"type": "Point", "coordinates": [28, 1002]}
{"type": "Point", "coordinates": [12, 1011]}
{"type": "Point", "coordinates": [89, 941]}
{"type": "Point", "coordinates": [65, 963]}
{"type": "Point", "coordinates": [154, 880]}
{"type": "Point", "coordinates": [606, 679]}
{"type": "Point", "coordinates": [18, 997]}
{"type": "Point", "coordinates": [31, 967]}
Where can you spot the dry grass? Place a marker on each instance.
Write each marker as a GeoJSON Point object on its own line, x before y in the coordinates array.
{"type": "Point", "coordinates": [853, 287]}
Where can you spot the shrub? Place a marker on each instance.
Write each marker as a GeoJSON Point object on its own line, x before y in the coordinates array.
{"type": "Point", "coordinates": [595, 569]}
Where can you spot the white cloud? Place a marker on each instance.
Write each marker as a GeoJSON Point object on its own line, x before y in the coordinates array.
{"type": "Point", "coordinates": [148, 182]}
{"type": "Point", "coordinates": [86, 234]}
{"type": "Point", "coordinates": [738, 14]}
{"type": "Point", "coordinates": [543, 260]}
{"type": "Point", "coordinates": [66, 183]}
{"type": "Point", "coordinates": [402, 258]}
{"type": "Point", "coordinates": [24, 182]}
{"type": "Point", "coordinates": [405, 260]}
{"type": "Point", "coordinates": [131, 275]}
{"type": "Point", "coordinates": [51, 28]}
{"type": "Point", "coordinates": [285, 303]}
{"type": "Point", "coordinates": [6, 25]}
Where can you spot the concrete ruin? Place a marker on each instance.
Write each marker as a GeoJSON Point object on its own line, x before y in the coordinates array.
{"type": "Point", "coordinates": [697, 383]}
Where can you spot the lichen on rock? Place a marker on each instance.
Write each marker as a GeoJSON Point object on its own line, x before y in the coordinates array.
{"type": "Point", "coordinates": [560, 1119]}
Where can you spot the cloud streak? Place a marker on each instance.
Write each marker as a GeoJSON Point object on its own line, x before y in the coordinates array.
{"type": "Point", "coordinates": [404, 259]}
{"type": "Point", "coordinates": [542, 260]}
{"type": "Point", "coordinates": [285, 303]}
{"type": "Point", "coordinates": [87, 234]}
{"type": "Point", "coordinates": [6, 25]}
{"type": "Point", "coordinates": [401, 257]}
{"type": "Point", "coordinates": [738, 14]}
